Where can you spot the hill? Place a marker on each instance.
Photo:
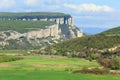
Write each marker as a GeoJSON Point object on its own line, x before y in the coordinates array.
{"type": "Point", "coordinates": [86, 45]}
{"type": "Point", "coordinates": [113, 31]}
{"type": "Point", "coordinates": [99, 42]}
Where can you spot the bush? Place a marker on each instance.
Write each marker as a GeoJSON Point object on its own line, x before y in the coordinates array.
{"type": "Point", "coordinates": [5, 58]}
{"type": "Point", "coordinates": [112, 63]}
{"type": "Point", "coordinates": [104, 62]}
{"type": "Point", "coordinates": [115, 63]}
{"type": "Point", "coordinates": [92, 71]}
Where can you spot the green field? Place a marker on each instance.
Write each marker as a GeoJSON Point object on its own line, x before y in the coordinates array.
{"type": "Point", "coordinates": [47, 63]}
{"type": "Point", "coordinates": [43, 67]}
{"type": "Point", "coordinates": [48, 75]}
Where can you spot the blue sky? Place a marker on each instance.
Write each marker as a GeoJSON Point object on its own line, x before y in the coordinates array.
{"type": "Point", "coordinates": [92, 16]}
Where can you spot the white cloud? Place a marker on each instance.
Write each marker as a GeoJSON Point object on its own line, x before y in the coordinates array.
{"type": "Point", "coordinates": [7, 3]}
{"type": "Point", "coordinates": [89, 8]}
{"type": "Point", "coordinates": [31, 2]}
{"type": "Point", "coordinates": [42, 2]}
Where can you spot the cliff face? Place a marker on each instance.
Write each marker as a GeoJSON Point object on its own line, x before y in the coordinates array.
{"type": "Point", "coordinates": [63, 29]}
{"type": "Point", "coordinates": [58, 20]}
{"type": "Point", "coordinates": [52, 31]}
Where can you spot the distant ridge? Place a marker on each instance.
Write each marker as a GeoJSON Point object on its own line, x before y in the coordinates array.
{"type": "Point", "coordinates": [113, 31]}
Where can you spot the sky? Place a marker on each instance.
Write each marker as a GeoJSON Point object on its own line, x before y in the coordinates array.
{"type": "Point", "coordinates": [91, 16]}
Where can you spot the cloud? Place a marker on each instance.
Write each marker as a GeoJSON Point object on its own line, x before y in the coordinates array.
{"type": "Point", "coordinates": [42, 2]}
{"type": "Point", "coordinates": [89, 8]}
{"type": "Point", "coordinates": [31, 2]}
{"type": "Point", "coordinates": [7, 3]}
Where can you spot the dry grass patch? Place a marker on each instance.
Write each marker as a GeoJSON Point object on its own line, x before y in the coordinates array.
{"type": "Point", "coordinates": [5, 65]}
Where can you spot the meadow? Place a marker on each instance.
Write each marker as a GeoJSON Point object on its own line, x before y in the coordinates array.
{"type": "Point", "coordinates": [43, 67]}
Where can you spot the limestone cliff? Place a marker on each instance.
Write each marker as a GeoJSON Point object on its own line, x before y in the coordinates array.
{"type": "Point", "coordinates": [63, 29]}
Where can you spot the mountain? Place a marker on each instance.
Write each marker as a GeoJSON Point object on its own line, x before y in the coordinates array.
{"type": "Point", "coordinates": [86, 44]}
{"type": "Point", "coordinates": [35, 30]}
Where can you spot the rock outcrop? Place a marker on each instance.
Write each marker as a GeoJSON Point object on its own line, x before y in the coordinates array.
{"type": "Point", "coordinates": [63, 29]}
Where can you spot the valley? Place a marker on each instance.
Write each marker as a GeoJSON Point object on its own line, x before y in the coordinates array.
{"type": "Point", "coordinates": [48, 46]}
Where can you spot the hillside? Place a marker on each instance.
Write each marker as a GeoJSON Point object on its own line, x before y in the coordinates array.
{"type": "Point", "coordinates": [35, 30]}
{"type": "Point", "coordinates": [86, 44]}
{"type": "Point", "coordinates": [113, 31]}
{"type": "Point", "coordinates": [99, 42]}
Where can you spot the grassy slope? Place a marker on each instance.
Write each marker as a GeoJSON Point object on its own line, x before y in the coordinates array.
{"type": "Point", "coordinates": [23, 26]}
{"type": "Point", "coordinates": [113, 31]}
{"type": "Point", "coordinates": [79, 44]}
{"type": "Point", "coordinates": [98, 42]}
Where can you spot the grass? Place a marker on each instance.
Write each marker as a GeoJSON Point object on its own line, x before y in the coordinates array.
{"type": "Point", "coordinates": [23, 26]}
{"type": "Point", "coordinates": [48, 75]}
{"type": "Point", "coordinates": [5, 58]}
{"type": "Point", "coordinates": [48, 68]}
{"type": "Point", "coordinates": [48, 63]}
{"type": "Point", "coordinates": [12, 52]}
{"type": "Point", "coordinates": [113, 31]}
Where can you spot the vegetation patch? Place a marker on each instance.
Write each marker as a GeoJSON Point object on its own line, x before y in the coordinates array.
{"type": "Point", "coordinates": [5, 65]}
{"type": "Point", "coordinates": [93, 71]}
{"type": "Point", "coordinates": [113, 31]}
{"type": "Point", "coordinates": [23, 26]}
{"type": "Point", "coordinates": [4, 58]}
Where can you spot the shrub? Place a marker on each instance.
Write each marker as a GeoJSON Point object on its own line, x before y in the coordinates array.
{"type": "Point", "coordinates": [5, 58]}
{"type": "Point", "coordinates": [112, 63]}
{"type": "Point", "coordinates": [92, 71]}
{"type": "Point", "coordinates": [115, 63]}
{"type": "Point", "coordinates": [104, 62]}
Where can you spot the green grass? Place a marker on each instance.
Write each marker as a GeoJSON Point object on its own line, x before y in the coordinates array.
{"type": "Point", "coordinates": [23, 26]}
{"type": "Point", "coordinates": [113, 31]}
{"type": "Point", "coordinates": [48, 63]}
{"type": "Point", "coordinates": [5, 58]}
{"type": "Point", "coordinates": [48, 75]}
{"type": "Point", "coordinates": [49, 68]}
{"type": "Point", "coordinates": [12, 52]}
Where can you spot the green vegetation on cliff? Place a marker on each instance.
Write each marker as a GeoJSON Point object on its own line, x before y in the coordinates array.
{"type": "Point", "coordinates": [23, 26]}
{"type": "Point", "coordinates": [7, 15]}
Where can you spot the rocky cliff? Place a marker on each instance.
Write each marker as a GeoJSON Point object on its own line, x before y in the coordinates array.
{"type": "Point", "coordinates": [62, 29]}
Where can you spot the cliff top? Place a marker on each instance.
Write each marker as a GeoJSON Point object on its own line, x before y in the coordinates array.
{"type": "Point", "coordinates": [23, 26]}
{"type": "Point", "coordinates": [33, 14]}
